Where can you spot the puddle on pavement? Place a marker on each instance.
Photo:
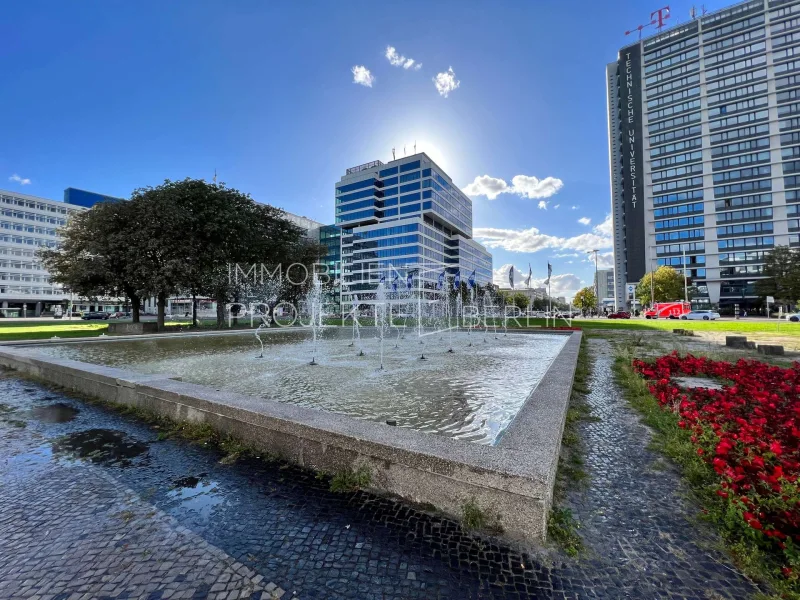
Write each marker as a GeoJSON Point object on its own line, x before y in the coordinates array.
{"type": "Point", "coordinates": [54, 413]}
{"type": "Point", "coordinates": [101, 446]}
{"type": "Point", "coordinates": [190, 481]}
{"type": "Point", "coordinates": [196, 494]}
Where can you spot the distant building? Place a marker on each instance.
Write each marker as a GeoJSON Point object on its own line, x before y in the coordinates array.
{"type": "Point", "coordinates": [604, 283]}
{"type": "Point", "coordinates": [77, 197]}
{"type": "Point", "coordinates": [310, 226]}
{"type": "Point", "coordinates": [530, 293]}
{"type": "Point", "coordinates": [28, 223]}
{"type": "Point", "coordinates": [405, 216]}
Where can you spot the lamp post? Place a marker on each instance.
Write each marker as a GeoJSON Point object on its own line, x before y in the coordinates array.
{"type": "Point", "coordinates": [652, 290]}
{"type": "Point", "coordinates": [685, 283]}
{"type": "Point", "coordinates": [596, 281]}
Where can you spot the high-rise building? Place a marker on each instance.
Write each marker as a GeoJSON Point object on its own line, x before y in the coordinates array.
{"type": "Point", "coordinates": [405, 216]}
{"type": "Point", "coordinates": [704, 145]}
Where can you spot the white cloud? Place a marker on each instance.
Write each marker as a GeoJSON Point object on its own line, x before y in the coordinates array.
{"type": "Point", "coordinates": [531, 187]}
{"type": "Point", "coordinates": [564, 284]}
{"type": "Point", "coordinates": [605, 260]}
{"type": "Point", "coordinates": [532, 240]}
{"type": "Point", "coordinates": [575, 207]}
{"type": "Point", "coordinates": [584, 220]}
{"type": "Point", "coordinates": [399, 60]}
{"type": "Point", "coordinates": [566, 255]}
{"type": "Point", "coordinates": [606, 227]}
{"type": "Point", "coordinates": [555, 207]}
{"type": "Point", "coordinates": [20, 180]}
{"type": "Point", "coordinates": [487, 186]}
{"type": "Point", "coordinates": [362, 76]}
{"type": "Point", "coordinates": [542, 205]}
{"type": "Point", "coordinates": [446, 82]}
{"type": "Point", "coordinates": [526, 186]}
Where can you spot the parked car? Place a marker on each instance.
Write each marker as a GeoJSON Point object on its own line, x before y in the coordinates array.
{"type": "Point", "coordinates": [700, 315]}
{"type": "Point", "coordinates": [95, 315]}
{"type": "Point", "coordinates": [793, 317]}
{"type": "Point", "coordinates": [620, 314]}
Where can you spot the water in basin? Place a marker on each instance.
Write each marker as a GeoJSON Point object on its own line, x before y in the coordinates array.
{"type": "Point", "coordinates": [471, 393]}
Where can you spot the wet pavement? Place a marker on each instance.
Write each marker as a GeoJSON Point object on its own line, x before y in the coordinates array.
{"type": "Point", "coordinates": [637, 522]}
{"type": "Point", "coordinates": [95, 503]}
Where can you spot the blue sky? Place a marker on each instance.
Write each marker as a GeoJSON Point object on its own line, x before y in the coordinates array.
{"type": "Point", "coordinates": [110, 96]}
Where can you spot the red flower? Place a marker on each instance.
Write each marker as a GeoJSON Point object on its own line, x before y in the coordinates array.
{"type": "Point", "coordinates": [748, 432]}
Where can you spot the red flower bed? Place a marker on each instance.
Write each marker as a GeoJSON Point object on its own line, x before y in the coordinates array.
{"type": "Point", "coordinates": [749, 432]}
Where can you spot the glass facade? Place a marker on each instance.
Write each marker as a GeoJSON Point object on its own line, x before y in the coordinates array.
{"type": "Point", "coordinates": [720, 113]}
{"type": "Point", "coordinates": [86, 199]}
{"type": "Point", "coordinates": [412, 218]}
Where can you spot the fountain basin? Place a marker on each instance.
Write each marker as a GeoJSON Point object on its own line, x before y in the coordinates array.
{"type": "Point", "coordinates": [512, 480]}
{"type": "Point", "coordinates": [471, 394]}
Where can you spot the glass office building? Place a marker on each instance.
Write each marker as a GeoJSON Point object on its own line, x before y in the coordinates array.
{"type": "Point", "coordinates": [330, 236]}
{"type": "Point", "coordinates": [704, 146]}
{"type": "Point", "coordinates": [86, 199]}
{"type": "Point", "coordinates": [405, 216]}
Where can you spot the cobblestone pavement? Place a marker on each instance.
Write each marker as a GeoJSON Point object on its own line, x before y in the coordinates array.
{"type": "Point", "coordinates": [91, 498]}
{"type": "Point", "coordinates": [640, 528]}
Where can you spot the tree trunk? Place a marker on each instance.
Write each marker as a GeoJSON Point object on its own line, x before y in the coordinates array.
{"type": "Point", "coordinates": [162, 307]}
{"type": "Point", "coordinates": [220, 298]}
{"type": "Point", "coordinates": [135, 307]}
{"type": "Point", "coordinates": [194, 310]}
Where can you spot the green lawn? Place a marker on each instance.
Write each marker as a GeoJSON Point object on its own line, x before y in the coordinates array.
{"type": "Point", "coordinates": [730, 325]}
{"type": "Point", "coordinates": [725, 325]}
{"type": "Point", "coordinates": [15, 331]}
{"type": "Point", "coordinates": [36, 330]}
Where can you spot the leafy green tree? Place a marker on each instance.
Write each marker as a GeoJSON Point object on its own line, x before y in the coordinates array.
{"type": "Point", "coordinates": [520, 300]}
{"type": "Point", "coordinates": [179, 237]}
{"type": "Point", "coordinates": [191, 235]}
{"type": "Point", "coordinates": [667, 285]}
{"type": "Point", "coordinates": [782, 268]}
{"type": "Point", "coordinates": [539, 304]}
{"type": "Point", "coordinates": [585, 299]}
{"type": "Point", "coordinates": [97, 256]}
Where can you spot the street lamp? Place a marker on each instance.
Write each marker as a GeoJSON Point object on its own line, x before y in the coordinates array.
{"type": "Point", "coordinates": [685, 281]}
{"type": "Point", "coordinates": [596, 281]}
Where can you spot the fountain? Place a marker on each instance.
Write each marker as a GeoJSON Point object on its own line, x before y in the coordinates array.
{"type": "Point", "coordinates": [492, 395]}
{"type": "Point", "coordinates": [356, 327]}
{"type": "Point", "coordinates": [314, 303]}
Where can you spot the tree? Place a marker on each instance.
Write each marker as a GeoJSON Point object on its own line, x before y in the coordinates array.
{"type": "Point", "coordinates": [97, 255]}
{"type": "Point", "coordinates": [782, 268]}
{"type": "Point", "coordinates": [179, 237]}
{"type": "Point", "coordinates": [191, 235]}
{"type": "Point", "coordinates": [585, 299]}
{"type": "Point", "coordinates": [667, 285]}
{"type": "Point", "coordinates": [520, 300]}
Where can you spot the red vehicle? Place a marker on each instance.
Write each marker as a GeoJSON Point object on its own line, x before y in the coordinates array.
{"type": "Point", "coordinates": [668, 310]}
{"type": "Point", "coordinates": [620, 314]}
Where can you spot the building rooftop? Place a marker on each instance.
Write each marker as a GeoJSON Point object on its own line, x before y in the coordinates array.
{"type": "Point", "coordinates": [706, 19]}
